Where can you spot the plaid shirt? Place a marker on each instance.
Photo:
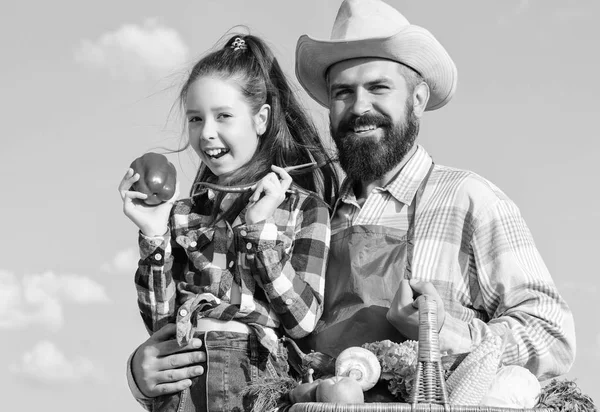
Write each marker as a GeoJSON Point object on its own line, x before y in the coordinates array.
{"type": "Point", "coordinates": [473, 245]}
{"type": "Point", "coordinates": [278, 264]}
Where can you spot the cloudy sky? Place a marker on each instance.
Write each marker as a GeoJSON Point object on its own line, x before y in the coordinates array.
{"type": "Point", "coordinates": [89, 86]}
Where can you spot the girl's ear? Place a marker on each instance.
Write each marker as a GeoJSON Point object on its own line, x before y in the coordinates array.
{"type": "Point", "coordinates": [261, 119]}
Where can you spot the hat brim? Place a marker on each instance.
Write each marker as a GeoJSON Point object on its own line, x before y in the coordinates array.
{"type": "Point", "coordinates": [414, 46]}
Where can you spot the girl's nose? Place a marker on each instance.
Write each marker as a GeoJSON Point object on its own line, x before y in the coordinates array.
{"type": "Point", "coordinates": [209, 130]}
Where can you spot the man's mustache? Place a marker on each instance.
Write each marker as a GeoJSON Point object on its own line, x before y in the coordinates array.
{"type": "Point", "coordinates": [368, 119]}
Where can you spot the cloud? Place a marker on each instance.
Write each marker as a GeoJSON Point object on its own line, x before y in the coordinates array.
{"type": "Point", "coordinates": [47, 364]}
{"type": "Point", "coordinates": [125, 261]}
{"type": "Point", "coordinates": [135, 52]}
{"type": "Point", "coordinates": [522, 6]}
{"type": "Point", "coordinates": [38, 299]}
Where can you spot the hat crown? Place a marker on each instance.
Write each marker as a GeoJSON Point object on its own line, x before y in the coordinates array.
{"type": "Point", "coordinates": [364, 19]}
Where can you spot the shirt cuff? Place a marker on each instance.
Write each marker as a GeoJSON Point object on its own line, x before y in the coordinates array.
{"type": "Point", "coordinates": [153, 247]}
{"type": "Point", "coordinates": [455, 337]}
{"type": "Point", "coordinates": [259, 236]}
{"type": "Point", "coordinates": [135, 391]}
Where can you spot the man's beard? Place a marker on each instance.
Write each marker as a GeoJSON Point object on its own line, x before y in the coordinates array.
{"type": "Point", "coordinates": [367, 158]}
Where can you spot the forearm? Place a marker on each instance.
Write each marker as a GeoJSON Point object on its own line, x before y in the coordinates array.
{"type": "Point", "coordinates": [515, 292]}
{"type": "Point", "coordinates": [290, 265]}
{"type": "Point", "coordinates": [545, 346]}
{"type": "Point", "coordinates": [154, 282]}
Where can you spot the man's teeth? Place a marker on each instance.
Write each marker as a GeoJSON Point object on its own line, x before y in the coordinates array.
{"type": "Point", "coordinates": [367, 128]}
{"type": "Point", "coordinates": [216, 153]}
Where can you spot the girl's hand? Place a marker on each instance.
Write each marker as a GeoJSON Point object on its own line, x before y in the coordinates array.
{"type": "Point", "coordinates": [268, 195]}
{"type": "Point", "coordinates": [151, 220]}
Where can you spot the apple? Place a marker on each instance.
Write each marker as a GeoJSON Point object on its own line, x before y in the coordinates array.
{"type": "Point", "coordinates": [340, 389]}
{"type": "Point", "coordinates": [158, 177]}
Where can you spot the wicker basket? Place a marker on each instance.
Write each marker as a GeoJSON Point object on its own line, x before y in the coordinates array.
{"type": "Point", "coordinates": [429, 392]}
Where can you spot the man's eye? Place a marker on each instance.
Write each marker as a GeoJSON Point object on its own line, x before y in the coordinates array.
{"type": "Point", "coordinates": [379, 88]}
{"type": "Point", "coordinates": [341, 94]}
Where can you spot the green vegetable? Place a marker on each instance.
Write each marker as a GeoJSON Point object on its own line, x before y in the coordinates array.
{"type": "Point", "coordinates": [158, 177]}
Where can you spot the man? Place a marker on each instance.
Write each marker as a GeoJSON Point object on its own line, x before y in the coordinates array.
{"type": "Point", "coordinates": [404, 226]}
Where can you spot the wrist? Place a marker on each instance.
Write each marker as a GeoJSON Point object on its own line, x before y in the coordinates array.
{"type": "Point", "coordinates": [154, 232]}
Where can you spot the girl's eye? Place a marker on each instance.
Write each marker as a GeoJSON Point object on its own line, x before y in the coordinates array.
{"type": "Point", "coordinates": [194, 119]}
{"type": "Point", "coordinates": [224, 116]}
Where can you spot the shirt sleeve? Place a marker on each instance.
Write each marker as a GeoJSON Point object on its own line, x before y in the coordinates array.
{"type": "Point", "coordinates": [154, 281]}
{"type": "Point", "coordinates": [518, 296]}
{"type": "Point", "coordinates": [290, 263]}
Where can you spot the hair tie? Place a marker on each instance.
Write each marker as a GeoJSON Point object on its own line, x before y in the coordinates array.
{"type": "Point", "coordinates": [238, 44]}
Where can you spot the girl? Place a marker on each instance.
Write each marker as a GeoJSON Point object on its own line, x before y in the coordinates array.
{"type": "Point", "coordinates": [237, 269]}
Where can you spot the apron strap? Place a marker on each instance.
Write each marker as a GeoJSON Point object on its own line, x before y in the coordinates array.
{"type": "Point", "coordinates": [412, 210]}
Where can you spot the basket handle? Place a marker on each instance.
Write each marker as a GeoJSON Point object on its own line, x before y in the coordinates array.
{"type": "Point", "coordinates": [430, 385]}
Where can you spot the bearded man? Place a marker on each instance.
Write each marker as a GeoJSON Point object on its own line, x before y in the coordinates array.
{"type": "Point", "coordinates": [405, 226]}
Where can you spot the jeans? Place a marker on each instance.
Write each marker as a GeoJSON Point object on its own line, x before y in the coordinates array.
{"type": "Point", "coordinates": [234, 360]}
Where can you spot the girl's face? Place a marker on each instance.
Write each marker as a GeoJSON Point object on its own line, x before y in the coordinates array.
{"type": "Point", "coordinates": [222, 128]}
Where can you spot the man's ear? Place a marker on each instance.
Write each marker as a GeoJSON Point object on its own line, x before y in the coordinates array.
{"type": "Point", "coordinates": [420, 98]}
{"type": "Point", "coordinates": [261, 119]}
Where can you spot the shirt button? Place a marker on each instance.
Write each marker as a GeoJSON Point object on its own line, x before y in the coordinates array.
{"type": "Point", "coordinates": [243, 232]}
{"type": "Point", "coordinates": [183, 312]}
{"type": "Point", "coordinates": [193, 244]}
{"type": "Point", "coordinates": [248, 246]}
{"type": "Point", "coordinates": [289, 301]}
{"type": "Point", "coordinates": [231, 264]}
{"type": "Point", "coordinates": [158, 256]}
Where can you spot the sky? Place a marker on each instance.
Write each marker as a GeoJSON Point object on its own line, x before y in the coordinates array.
{"type": "Point", "coordinates": [89, 86]}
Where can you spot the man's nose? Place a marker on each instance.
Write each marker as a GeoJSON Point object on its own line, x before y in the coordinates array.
{"type": "Point", "coordinates": [362, 103]}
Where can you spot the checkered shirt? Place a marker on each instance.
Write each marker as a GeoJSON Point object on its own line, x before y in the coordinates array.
{"type": "Point", "coordinates": [278, 264]}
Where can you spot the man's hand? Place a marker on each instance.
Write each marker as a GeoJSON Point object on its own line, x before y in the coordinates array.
{"type": "Point", "coordinates": [404, 314]}
{"type": "Point", "coordinates": [160, 367]}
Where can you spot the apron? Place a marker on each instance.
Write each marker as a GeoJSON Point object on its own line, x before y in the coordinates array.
{"type": "Point", "coordinates": [366, 265]}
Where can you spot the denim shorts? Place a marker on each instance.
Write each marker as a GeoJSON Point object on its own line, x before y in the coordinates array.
{"type": "Point", "coordinates": [234, 360]}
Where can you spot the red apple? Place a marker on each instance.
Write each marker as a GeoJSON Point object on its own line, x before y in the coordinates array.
{"type": "Point", "coordinates": [340, 389]}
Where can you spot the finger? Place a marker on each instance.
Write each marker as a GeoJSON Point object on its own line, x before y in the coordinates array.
{"type": "Point", "coordinates": [181, 360]}
{"type": "Point", "coordinates": [134, 195]}
{"type": "Point", "coordinates": [260, 188]}
{"type": "Point", "coordinates": [127, 180]}
{"type": "Point", "coordinates": [171, 388]}
{"type": "Point", "coordinates": [176, 375]}
{"type": "Point", "coordinates": [170, 347]}
{"type": "Point", "coordinates": [286, 179]}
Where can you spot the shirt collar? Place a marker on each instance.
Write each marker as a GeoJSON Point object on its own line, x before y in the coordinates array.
{"type": "Point", "coordinates": [402, 187]}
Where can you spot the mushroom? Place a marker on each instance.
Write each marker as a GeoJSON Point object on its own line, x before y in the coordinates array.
{"type": "Point", "coordinates": [359, 364]}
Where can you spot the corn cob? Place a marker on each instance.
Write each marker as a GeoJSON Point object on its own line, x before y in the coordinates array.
{"type": "Point", "coordinates": [471, 380]}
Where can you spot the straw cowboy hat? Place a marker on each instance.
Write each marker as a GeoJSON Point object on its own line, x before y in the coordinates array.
{"type": "Point", "coordinates": [372, 28]}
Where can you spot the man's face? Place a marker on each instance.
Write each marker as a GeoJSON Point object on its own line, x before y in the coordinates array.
{"type": "Point", "coordinates": [371, 116]}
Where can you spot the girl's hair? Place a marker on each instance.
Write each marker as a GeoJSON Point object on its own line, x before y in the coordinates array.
{"type": "Point", "coordinates": [290, 137]}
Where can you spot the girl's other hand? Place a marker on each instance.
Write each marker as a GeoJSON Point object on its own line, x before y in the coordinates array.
{"type": "Point", "coordinates": [268, 195]}
{"type": "Point", "coordinates": [151, 220]}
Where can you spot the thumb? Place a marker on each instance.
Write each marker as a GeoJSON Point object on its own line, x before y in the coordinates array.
{"type": "Point", "coordinates": [404, 293]}
{"type": "Point", "coordinates": [424, 288]}
{"type": "Point", "coordinates": [165, 333]}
